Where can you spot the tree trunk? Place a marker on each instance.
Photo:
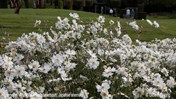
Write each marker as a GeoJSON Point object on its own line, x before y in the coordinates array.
{"type": "Point", "coordinates": [69, 4]}
{"type": "Point", "coordinates": [3, 3]}
{"type": "Point", "coordinates": [17, 6]}
{"type": "Point", "coordinates": [12, 4]}
{"type": "Point", "coordinates": [26, 2]}
{"type": "Point", "coordinates": [39, 3]}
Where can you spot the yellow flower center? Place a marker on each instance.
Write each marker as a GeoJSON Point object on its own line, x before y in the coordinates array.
{"type": "Point", "coordinates": [94, 62]}
{"type": "Point", "coordinates": [142, 67]}
{"type": "Point", "coordinates": [9, 60]}
{"type": "Point", "coordinates": [34, 65]}
{"type": "Point", "coordinates": [104, 94]}
{"type": "Point", "coordinates": [102, 87]}
{"type": "Point", "coordinates": [1, 93]}
{"type": "Point", "coordinates": [58, 60]}
{"type": "Point", "coordinates": [158, 82]}
{"type": "Point", "coordinates": [9, 72]}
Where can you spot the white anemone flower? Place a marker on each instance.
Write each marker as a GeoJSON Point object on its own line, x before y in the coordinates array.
{"type": "Point", "coordinates": [35, 95]}
{"type": "Point", "coordinates": [138, 92]}
{"type": "Point", "coordinates": [165, 71]}
{"type": "Point", "coordinates": [93, 63]}
{"type": "Point", "coordinates": [69, 66]}
{"type": "Point", "coordinates": [159, 82]}
{"type": "Point", "coordinates": [19, 71]}
{"type": "Point", "coordinates": [57, 59]}
{"type": "Point", "coordinates": [41, 39]}
{"type": "Point", "coordinates": [74, 15]}
{"type": "Point", "coordinates": [7, 61]}
{"type": "Point", "coordinates": [37, 23]}
{"type": "Point", "coordinates": [101, 52]}
{"type": "Point", "coordinates": [103, 87]}
{"type": "Point", "coordinates": [101, 19]}
{"type": "Point", "coordinates": [111, 22]}
{"type": "Point", "coordinates": [46, 68]}
{"type": "Point", "coordinates": [84, 94]}
{"type": "Point", "coordinates": [105, 95]}
{"type": "Point", "coordinates": [63, 74]}
{"type": "Point", "coordinates": [70, 52]}
{"type": "Point", "coordinates": [134, 25]}
{"type": "Point", "coordinates": [152, 91]}
{"type": "Point", "coordinates": [9, 73]}
{"type": "Point", "coordinates": [127, 39]}
{"type": "Point", "coordinates": [4, 94]}
{"type": "Point", "coordinates": [34, 65]}
{"type": "Point", "coordinates": [119, 32]}
{"type": "Point", "coordinates": [150, 22]}
{"type": "Point", "coordinates": [156, 24]}
{"type": "Point", "coordinates": [171, 82]}
{"type": "Point", "coordinates": [109, 72]}
{"type": "Point", "coordinates": [141, 68]}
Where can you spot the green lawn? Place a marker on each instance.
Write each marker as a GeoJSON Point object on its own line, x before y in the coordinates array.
{"type": "Point", "coordinates": [15, 25]}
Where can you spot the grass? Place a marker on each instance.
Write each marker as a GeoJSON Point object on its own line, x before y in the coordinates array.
{"type": "Point", "coordinates": [13, 26]}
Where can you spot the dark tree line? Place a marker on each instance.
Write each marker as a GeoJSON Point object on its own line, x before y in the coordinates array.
{"type": "Point", "coordinates": [160, 6]}
{"type": "Point", "coordinates": [150, 5]}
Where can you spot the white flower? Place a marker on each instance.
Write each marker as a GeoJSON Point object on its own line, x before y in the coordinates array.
{"type": "Point", "coordinates": [156, 24]}
{"type": "Point", "coordinates": [146, 78]}
{"type": "Point", "coordinates": [59, 18]}
{"type": "Point", "coordinates": [138, 92]}
{"type": "Point", "coordinates": [134, 25]}
{"type": "Point", "coordinates": [171, 82]}
{"type": "Point", "coordinates": [152, 92]}
{"type": "Point", "coordinates": [84, 94]}
{"type": "Point", "coordinates": [65, 21]}
{"type": "Point", "coordinates": [37, 23]}
{"type": "Point", "coordinates": [105, 31]}
{"type": "Point", "coordinates": [101, 52]}
{"type": "Point", "coordinates": [105, 95]}
{"type": "Point", "coordinates": [108, 72]}
{"type": "Point", "coordinates": [101, 19]}
{"type": "Point", "coordinates": [74, 15]}
{"type": "Point", "coordinates": [69, 66]}
{"type": "Point", "coordinates": [4, 94]}
{"type": "Point", "coordinates": [150, 22]}
{"type": "Point", "coordinates": [84, 78]}
{"type": "Point", "coordinates": [40, 39]}
{"type": "Point", "coordinates": [34, 65]}
{"type": "Point", "coordinates": [103, 87]}
{"type": "Point", "coordinates": [70, 52]}
{"type": "Point", "coordinates": [1, 61]}
{"type": "Point", "coordinates": [18, 58]}
{"type": "Point", "coordinates": [9, 73]}
{"type": "Point", "coordinates": [141, 67]}
{"type": "Point", "coordinates": [57, 59]}
{"type": "Point", "coordinates": [63, 74]}
{"type": "Point", "coordinates": [93, 63]}
{"type": "Point", "coordinates": [111, 22]}
{"type": "Point", "coordinates": [165, 71]}
{"type": "Point", "coordinates": [122, 71]}
{"type": "Point", "coordinates": [119, 25]}
{"type": "Point", "coordinates": [138, 42]}
{"type": "Point", "coordinates": [159, 82]}
{"type": "Point", "coordinates": [119, 32]}
{"type": "Point", "coordinates": [19, 71]}
{"type": "Point", "coordinates": [8, 61]}
{"type": "Point", "coordinates": [127, 39]}
{"type": "Point", "coordinates": [46, 68]}
{"type": "Point", "coordinates": [35, 95]}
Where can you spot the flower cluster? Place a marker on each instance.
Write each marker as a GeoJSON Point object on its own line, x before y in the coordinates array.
{"type": "Point", "coordinates": [90, 59]}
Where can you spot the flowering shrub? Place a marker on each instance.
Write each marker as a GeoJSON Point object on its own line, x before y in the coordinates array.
{"type": "Point", "coordinates": [91, 60]}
